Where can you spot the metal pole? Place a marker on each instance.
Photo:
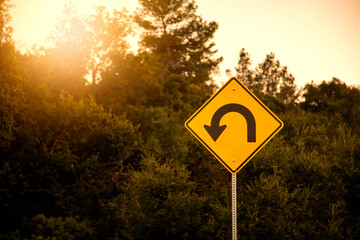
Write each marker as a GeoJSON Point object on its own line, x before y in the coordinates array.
{"type": "Point", "coordinates": [233, 200]}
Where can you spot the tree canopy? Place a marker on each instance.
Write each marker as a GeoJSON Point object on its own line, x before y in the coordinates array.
{"type": "Point", "coordinates": [269, 77]}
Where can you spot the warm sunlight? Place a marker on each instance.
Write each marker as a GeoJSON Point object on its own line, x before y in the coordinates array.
{"type": "Point", "coordinates": [34, 20]}
{"type": "Point", "coordinates": [316, 40]}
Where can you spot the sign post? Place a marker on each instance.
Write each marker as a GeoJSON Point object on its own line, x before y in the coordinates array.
{"type": "Point", "coordinates": [234, 125]}
{"type": "Point", "coordinates": [233, 204]}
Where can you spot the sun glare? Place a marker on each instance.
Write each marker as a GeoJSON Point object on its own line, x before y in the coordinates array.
{"type": "Point", "coordinates": [34, 20]}
{"type": "Point", "coordinates": [317, 40]}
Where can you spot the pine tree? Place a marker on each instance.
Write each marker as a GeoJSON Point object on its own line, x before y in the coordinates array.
{"type": "Point", "coordinates": [181, 38]}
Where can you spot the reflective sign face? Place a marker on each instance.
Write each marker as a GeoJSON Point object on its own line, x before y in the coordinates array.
{"type": "Point", "coordinates": [234, 125]}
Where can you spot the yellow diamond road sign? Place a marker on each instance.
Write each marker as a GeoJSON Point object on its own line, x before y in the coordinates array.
{"type": "Point", "coordinates": [234, 125]}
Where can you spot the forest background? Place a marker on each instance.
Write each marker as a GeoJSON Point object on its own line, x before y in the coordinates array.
{"type": "Point", "coordinates": [93, 144]}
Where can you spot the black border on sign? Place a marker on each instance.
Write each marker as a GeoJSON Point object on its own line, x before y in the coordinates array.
{"type": "Point", "coordinates": [258, 148]}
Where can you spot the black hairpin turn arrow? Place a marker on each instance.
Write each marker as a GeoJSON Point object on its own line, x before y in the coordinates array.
{"type": "Point", "coordinates": [215, 130]}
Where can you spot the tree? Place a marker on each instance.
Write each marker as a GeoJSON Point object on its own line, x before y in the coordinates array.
{"type": "Point", "coordinates": [268, 77]}
{"type": "Point", "coordinates": [5, 29]}
{"type": "Point", "coordinates": [80, 49]}
{"type": "Point", "coordinates": [63, 64]}
{"type": "Point", "coordinates": [242, 70]}
{"type": "Point", "coordinates": [12, 82]}
{"type": "Point", "coordinates": [106, 35]}
{"type": "Point", "coordinates": [175, 58]}
{"type": "Point", "coordinates": [334, 98]}
{"type": "Point", "coordinates": [181, 38]}
{"type": "Point", "coordinates": [169, 77]}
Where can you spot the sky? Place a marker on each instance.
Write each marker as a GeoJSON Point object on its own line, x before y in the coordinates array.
{"type": "Point", "coordinates": [316, 39]}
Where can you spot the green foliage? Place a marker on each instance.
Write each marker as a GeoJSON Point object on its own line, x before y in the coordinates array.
{"type": "Point", "coordinates": [269, 200]}
{"type": "Point", "coordinates": [296, 187]}
{"type": "Point", "coordinates": [60, 228]}
{"type": "Point", "coordinates": [11, 93]}
{"type": "Point", "coordinates": [134, 79]}
{"type": "Point", "coordinates": [71, 153]}
{"type": "Point", "coordinates": [334, 98]}
{"type": "Point", "coordinates": [172, 209]}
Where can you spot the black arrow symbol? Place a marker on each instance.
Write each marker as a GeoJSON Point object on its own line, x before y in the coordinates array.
{"type": "Point", "coordinates": [215, 129]}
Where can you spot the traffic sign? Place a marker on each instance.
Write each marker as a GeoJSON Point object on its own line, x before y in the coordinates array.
{"type": "Point", "coordinates": [234, 125]}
